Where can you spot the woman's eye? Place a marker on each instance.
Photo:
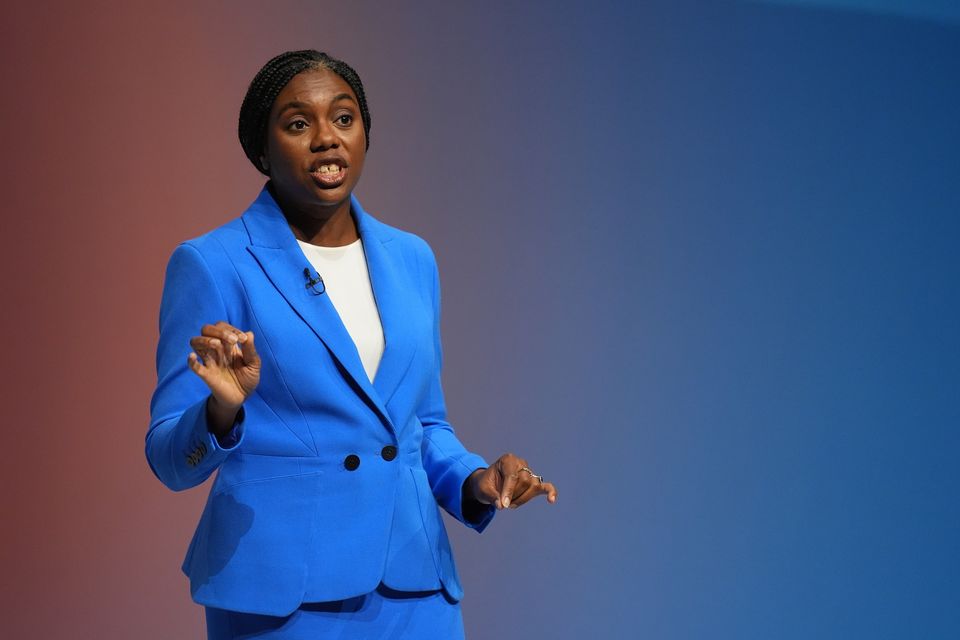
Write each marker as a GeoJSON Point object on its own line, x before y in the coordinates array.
{"type": "Point", "coordinates": [297, 125]}
{"type": "Point", "coordinates": [345, 119]}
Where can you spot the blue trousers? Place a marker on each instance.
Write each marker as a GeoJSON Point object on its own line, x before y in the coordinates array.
{"type": "Point", "coordinates": [381, 614]}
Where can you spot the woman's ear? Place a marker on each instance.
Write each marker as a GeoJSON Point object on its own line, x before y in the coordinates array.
{"type": "Point", "coordinates": [264, 161]}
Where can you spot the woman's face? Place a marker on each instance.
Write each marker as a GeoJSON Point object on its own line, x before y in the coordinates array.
{"type": "Point", "coordinates": [315, 142]}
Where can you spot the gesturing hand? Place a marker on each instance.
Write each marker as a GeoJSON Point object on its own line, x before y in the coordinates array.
{"type": "Point", "coordinates": [508, 482]}
{"type": "Point", "coordinates": [226, 360]}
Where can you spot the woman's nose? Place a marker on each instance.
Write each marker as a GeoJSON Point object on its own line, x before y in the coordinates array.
{"type": "Point", "coordinates": [324, 137]}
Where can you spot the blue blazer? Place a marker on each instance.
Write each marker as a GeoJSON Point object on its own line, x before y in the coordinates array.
{"type": "Point", "coordinates": [291, 517]}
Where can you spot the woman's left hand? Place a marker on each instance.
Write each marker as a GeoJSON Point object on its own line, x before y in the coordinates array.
{"type": "Point", "coordinates": [509, 483]}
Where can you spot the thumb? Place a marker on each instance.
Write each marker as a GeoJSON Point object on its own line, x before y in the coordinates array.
{"type": "Point", "coordinates": [248, 350]}
{"type": "Point", "coordinates": [506, 492]}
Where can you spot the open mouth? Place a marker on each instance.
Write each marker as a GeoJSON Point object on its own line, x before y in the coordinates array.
{"type": "Point", "coordinates": [329, 175]}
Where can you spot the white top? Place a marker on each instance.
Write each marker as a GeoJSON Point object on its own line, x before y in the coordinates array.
{"type": "Point", "coordinates": [347, 282]}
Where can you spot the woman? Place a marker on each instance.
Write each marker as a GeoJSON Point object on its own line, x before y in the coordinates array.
{"type": "Point", "coordinates": [313, 388]}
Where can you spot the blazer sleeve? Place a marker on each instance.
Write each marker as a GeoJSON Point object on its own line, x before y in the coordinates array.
{"type": "Point", "coordinates": [180, 448]}
{"type": "Point", "coordinates": [446, 460]}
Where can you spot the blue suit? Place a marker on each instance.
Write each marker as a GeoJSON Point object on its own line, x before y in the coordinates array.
{"type": "Point", "coordinates": [291, 516]}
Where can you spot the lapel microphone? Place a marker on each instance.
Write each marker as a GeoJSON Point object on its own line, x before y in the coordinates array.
{"type": "Point", "coordinates": [312, 284]}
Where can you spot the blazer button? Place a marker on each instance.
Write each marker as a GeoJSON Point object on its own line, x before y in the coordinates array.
{"type": "Point", "coordinates": [351, 462]}
{"type": "Point", "coordinates": [389, 452]}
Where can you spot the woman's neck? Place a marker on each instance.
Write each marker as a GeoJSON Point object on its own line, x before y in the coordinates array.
{"type": "Point", "coordinates": [326, 227]}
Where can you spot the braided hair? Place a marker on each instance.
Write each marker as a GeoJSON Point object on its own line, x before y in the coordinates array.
{"type": "Point", "coordinates": [270, 81]}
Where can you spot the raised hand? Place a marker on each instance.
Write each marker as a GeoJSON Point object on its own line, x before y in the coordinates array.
{"type": "Point", "coordinates": [509, 483]}
{"type": "Point", "coordinates": [226, 360]}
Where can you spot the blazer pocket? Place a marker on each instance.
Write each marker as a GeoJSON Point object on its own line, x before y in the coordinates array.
{"type": "Point", "coordinates": [248, 551]}
{"type": "Point", "coordinates": [267, 521]}
{"type": "Point", "coordinates": [243, 468]}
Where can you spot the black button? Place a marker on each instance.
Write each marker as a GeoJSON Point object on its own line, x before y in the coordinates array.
{"type": "Point", "coordinates": [389, 452]}
{"type": "Point", "coordinates": [351, 462]}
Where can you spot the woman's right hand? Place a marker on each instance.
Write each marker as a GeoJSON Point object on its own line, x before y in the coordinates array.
{"type": "Point", "coordinates": [226, 360]}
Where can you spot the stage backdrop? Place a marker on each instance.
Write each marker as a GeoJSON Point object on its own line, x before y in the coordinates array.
{"type": "Point", "coordinates": [699, 265]}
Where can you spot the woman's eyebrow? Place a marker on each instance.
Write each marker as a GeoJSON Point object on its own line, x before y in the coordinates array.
{"type": "Point", "coordinates": [341, 96]}
{"type": "Point", "coordinates": [292, 105]}
{"type": "Point", "coordinates": [296, 104]}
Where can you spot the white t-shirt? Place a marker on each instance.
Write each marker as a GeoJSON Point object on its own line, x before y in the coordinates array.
{"type": "Point", "coordinates": [347, 282]}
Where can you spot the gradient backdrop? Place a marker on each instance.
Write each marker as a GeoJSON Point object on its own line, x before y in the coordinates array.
{"type": "Point", "coordinates": [700, 266]}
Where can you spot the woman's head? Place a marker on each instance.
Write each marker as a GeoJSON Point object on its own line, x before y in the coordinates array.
{"type": "Point", "coordinates": [271, 80]}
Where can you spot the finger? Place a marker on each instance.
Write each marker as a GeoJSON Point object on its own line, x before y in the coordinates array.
{"type": "Point", "coordinates": [210, 349]}
{"type": "Point", "coordinates": [234, 335]}
{"type": "Point", "coordinates": [486, 490]}
{"type": "Point", "coordinates": [532, 489]}
{"type": "Point", "coordinates": [247, 348]}
{"type": "Point", "coordinates": [524, 483]}
{"type": "Point", "coordinates": [195, 365]}
{"type": "Point", "coordinates": [222, 330]}
{"type": "Point", "coordinates": [551, 492]}
{"type": "Point", "coordinates": [522, 498]}
{"type": "Point", "coordinates": [509, 466]}
{"type": "Point", "coordinates": [535, 490]}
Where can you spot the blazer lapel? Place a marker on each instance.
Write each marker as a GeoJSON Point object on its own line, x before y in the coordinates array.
{"type": "Point", "coordinates": [276, 250]}
{"type": "Point", "coordinates": [390, 290]}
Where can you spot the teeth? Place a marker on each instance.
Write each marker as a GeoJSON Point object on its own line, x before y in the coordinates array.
{"type": "Point", "coordinates": [329, 168]}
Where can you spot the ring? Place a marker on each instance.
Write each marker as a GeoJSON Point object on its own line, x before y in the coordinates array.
{"type": "Point", "coordinates": [530, 471]}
